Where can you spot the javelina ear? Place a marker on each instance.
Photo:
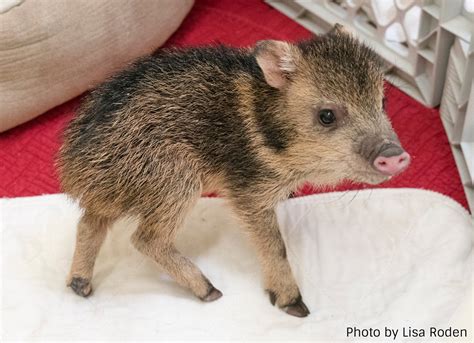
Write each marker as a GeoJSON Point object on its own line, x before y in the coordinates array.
{"type": "Point", "coordinates": [340, 29]}
{"type": "Point", "coordinates": [277, 60]}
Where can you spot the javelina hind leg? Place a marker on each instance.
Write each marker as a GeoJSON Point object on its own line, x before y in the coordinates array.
{"type": "Point", "coordinates": [262, 228]}
{"type": "Point", "coordinates": [91, 233]}
{"type": "Point", "coordinates": [155, 237]}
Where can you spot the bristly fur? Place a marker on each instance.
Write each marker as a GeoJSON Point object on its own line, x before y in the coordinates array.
{"type": "Point", "coordinates": [186, 98]}
{"type": "Point", "coordinates": [345, 56]}
{"type": "Point", "coordinates": [149, 140]}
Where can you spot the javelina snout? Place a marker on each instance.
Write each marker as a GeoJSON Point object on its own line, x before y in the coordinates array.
{"type": "Point", "coordinates": [252, 124]}
{"type": "Point", "coordinates": [386, 156]}
{"type": "Point", "coordinates": [382, 155]}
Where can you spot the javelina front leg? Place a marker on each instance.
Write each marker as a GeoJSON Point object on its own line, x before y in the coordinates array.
{"type": "Point", "coordinates": [262, 228]}
{"type": "Point", "coordinates": [91, 233]}
{"type": "Point", "coordinates": [155, 238]}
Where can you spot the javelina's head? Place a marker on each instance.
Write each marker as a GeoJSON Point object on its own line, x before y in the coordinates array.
{"type": "Point", "coordinates": [333, 91]}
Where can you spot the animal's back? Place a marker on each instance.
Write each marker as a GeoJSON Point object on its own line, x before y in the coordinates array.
{"type": "Point", "coordinates": [177, 104]}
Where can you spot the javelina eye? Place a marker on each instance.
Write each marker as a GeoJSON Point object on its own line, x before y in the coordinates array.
{"type": "Point", "coordinates": [326, 117]}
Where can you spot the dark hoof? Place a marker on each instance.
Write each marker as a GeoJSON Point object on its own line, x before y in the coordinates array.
{"type": "Point", "coordinates": [297, 309]}
{"type": "Point", "coordinates": [272, 297]}
{"type": "Point", "coordinates": [213, 294]}
{"type": "Point", "coordinates": [81, 286]}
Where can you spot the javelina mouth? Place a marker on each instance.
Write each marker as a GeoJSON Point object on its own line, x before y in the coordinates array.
{"type": "Point", "coordinates": [377, 178]}
{"type": "Point", "coordinates": [369, 176]}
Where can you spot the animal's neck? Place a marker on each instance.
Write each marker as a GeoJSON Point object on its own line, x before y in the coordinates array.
{"type": "Point", "coordinates": [268, 108]}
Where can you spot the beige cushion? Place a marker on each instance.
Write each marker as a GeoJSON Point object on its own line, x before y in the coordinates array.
{"type": "Point", "coordinates": [52, 51]}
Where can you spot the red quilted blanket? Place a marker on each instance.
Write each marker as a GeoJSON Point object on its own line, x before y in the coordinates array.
{"type": "Point", "coordinates": [27, 152]}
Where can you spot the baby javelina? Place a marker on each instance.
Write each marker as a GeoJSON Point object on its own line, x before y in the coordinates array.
{"type": "Point", "coordinates": [252, 124]}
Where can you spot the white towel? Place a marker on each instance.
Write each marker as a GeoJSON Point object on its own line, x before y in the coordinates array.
{"type": "Point", "coordinates": [368, 259]}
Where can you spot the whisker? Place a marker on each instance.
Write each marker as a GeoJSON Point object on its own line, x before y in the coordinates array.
{"type": "Point", "coordinates": [354, 197]}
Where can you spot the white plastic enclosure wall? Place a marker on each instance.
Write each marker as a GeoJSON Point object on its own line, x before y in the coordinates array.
{"type": "Point", "coordinates": [416, 38]}
{"type": "Point", "coordinates": [457, 111]}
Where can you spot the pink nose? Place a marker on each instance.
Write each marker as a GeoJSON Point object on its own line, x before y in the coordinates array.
{"type": "Point", "coordinates": [392, 165]}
